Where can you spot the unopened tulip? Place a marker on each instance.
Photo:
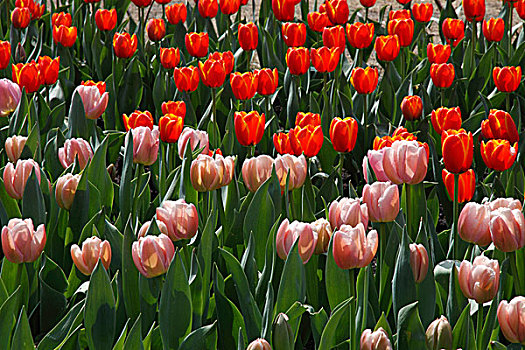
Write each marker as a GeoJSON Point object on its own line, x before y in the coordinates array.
{"type": "Point", "coordinates": [511, 319]}
{"type": "Point", "coordinates": [267, 81]}
{"type": "Point", "coordinates": [473, 224]}
{"type": "Point", "coordinates": [169, 57]}
{"type": "Point", "coordinates": [170, 127]}
{"type": "Point", "coordinates": [15, 176]}
{"type": "Point", "coordinates": [75, 148]}
{"type": "Point", "coordinates": [403, 162]}
{"type": "Point", "coordinates": [310, 138]}
{"type": "Point", "coordinates": [439, 335]}
{"type": "Point", "coordinates": [438, 53]}
{"type": "Point", "coordinates": [37, 8]}
{"type": "Point", "coordinates": [197, 44]}
{"type": "Point", "coordinates": [445, 118]}
{"type": "Point", "coordinates": [375, 340]}
{"type": "Point", "coordinates": [138, 118]}
{"type": "Point", "coordinates": [180, 218]}
{"type": "Point", "coordinates": [367, 3]}
{"type": "Point", "coordinates": [198, 139]}
{"type": "Point", "coordinates": [249, 127]}
{"type": "Point", "coordinates": [93, 249]}
{"type": "Point", "coordinates": [288, 233]}
{"type": "Point", "coordinates": [317, 21]}
{"type": "Point", "coordinates": [95, 103]}
{"type": "Point", "coordinates": [14, 146]}
{"type": "Point", "coordinates": [283, 337]}
{"type": "Point", "coordinates": [510, 203]}
{"type": "Point", "coordinates": [61, 18]}
{"type": "Point", "coordinates": [284, 10]}
{"type": "Point", "coordinates": [27, 75]}
{"type": "Point", "coordinates": [343, 134]}
{"type": "Point", "coordinates": [418, 261]}
{"type": "Point", "coordinates": [337, 11]}
{"type": "Point", "coordinates": [412, 107]}
{"type": "Point", "coordinates": [255, 171]}
{"type": "Point", "coordinates": [303, 119]}
{"type": "Point", "coordinates": [348, 211]}
{"type": "Point", "coordinates": [466, 184]}
{"type": "Point", "coordinates": [325, 59]}
{"type": "Point", "coordinates": [453, 30]}
{"type": "Point", "coordinates": [500, 125]}
{"type": "Point", "coordinates": [142, 3]}
{"type": "Point", "coordinates": [480, 280]}
{"type": "Point", "coordinates": [248, 36]}
{"type": "Point", "coordinates": [294, 167]}
{"type": "Point", "coordinates": [294, 34]}
{"type": "Point", "coordinates": [210, 173]}
{"type": "Point", "coordinates": [156, 29]}
{"type": "Point", "coordinates": [353, 248]}
{"type": "Point", "coordinates": [507, 229]}
{"type": "Point", "coordinates": [20, 17]}
{"type": "Point", "coordinates": [442, 74]}
{"type": "Point", "coordinates": [458, 150]}
{"type": "Point", "coordinates": [145, 145]}
{"type": "Point", "coordinates": [21, 243]}
{"type": "Point", "coordinates": [423, 12]}
{"type": "Point", "coordinates": [145, 227]}
{"type": "Point", "coordinates": [186, 78]}
{"type": "Point", "coordinates": [10, 95]}
{"type": "Point", "coordinates": [213, 72]}
{"type": "Point", "coordinates": [152, 255]}
{"type": "Point", "coordinates": [507, 79]}
{"type": "Point", "coordinates": [387, 47]}
{"type": "Point", "coordinates": [365, 80]}
{"type": "Point", "coordinates": [65, 36]}
{"type": "Point", "coordinates": [48, 69]}
{"type": "Point", "coordinates": [106, 20]}
{"type": "Point", "coordinates": [382, 201]}
{"type": "Point", "coordinates": [66, 188]}
{"type": "Point", "coordinates": [282, 144]}
{"type": "Point", "coordinates": [399, 14]}
{"type": "Point", "coordinates": [259, 344]}
{"type": "Point", "coordinates": [494, 29]}
{"type": "Point", "coordinates": [5, 54]}
{"type": "Point", "coordinates": [297, 59]}
{"type": "Point", "coordinates": [404, 29]}
{"type": "Point", "coordinates": [244, 85]}
{"type": "Point", "coordinates": [176, 13]}
{"type": "Point", "coordinates": [208, 8]}
{"type": "Point", "coordinates": [474, 9]}
{"type": "Point", "coordinates": [498, 155]}
{"type": "Point", "coordinates": [323, 231]}
{"type": "Point", "coordinates": [334, 37]}
{"type": "Point", "coordinates": [229, 7]}
{"type": "Point", "coordinates": [359, 34]}
{"type": "Point", "coordinates": [124, 45]}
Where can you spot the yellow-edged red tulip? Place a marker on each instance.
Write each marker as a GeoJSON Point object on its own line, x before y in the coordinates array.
{"type": "Point", "coordinates": [248, 36]}
{"type": "Point", "coordinates": [227, 59]}
{"type": "Point", "coordinates": [212, 72]}
{"type": "Point", "coordinates": [337, 11]}
{"type": "Point", "coordinates": [197, 44]}
{"type": "Point", "coordinates": [176, 13]}
{"type": "Point", "coordinates": [244, 85]}
{"type": "Point", "coordinates": [445, 118]}
{"type": "Point", "coordinates": [298, 60]}
{"type": "Point", "coordinates": [310, 138]}
{"type": "Point", "coordinates": [156, 29]}
{"type": "Point", "coordinates": [5, 54]}
{"type": "Point", "coordinates": [169, 57]}
{"type": "Point", "coordinates": [360, 35]}
{"type": "Point", "coordinates": [364, 80]}
{"type": "Point", "coordinates": [284, 10]}
{"type": "Point", "coordinates": [106, 19]}
{"type": "Point", "coordinates": [36, 9]}
{"type": "Point", "coordinates": [303, 119]}
{"type": "Point", "coordinates": [48, 69]}
{"type": "Point", "coordinates": [283, 145]}
{"type": "Point", "coordinates": [343, 134]}
{"type": "Point", "coordinates": [474, 9]}
{"type": "Point", "coordinates": [229, 7]}
{"type": "Point", "coordinates": [186, 78]}
{"type": "Point", "coordinates": [20, 17]}
{"type": "Point", "coordinates": [493, 29]}
{"type": "Point", "coordinates": [208, 8]}
{"type": "Point", "coordinates": [442, 74]}
{"type": "Point", "coordinates": [174, 107]}
{"type": "Point", "coordinates": [249, 127]}
{"type": "Point", "coordinates": [423, 12]}
{"type": "Point", "coordinates": [466, 185]}
{"type": "Point", "coordinates": [27, 75]}
{"type": "Point", "coordinates": [267, 80]}
{"type": "Point", "coordinates": [124, 45]}
{"type": "Point", "coordinates": [453, 30]}
{"type": "Point", "coordinates": [61, 18]}
{"type": "Point", "coordinates": [412, 107]}
{"type": "Point", "coordinates": [500, 125]}
{"type": "Point", "coordinates": [438, 53]}
{"type": "Point", "coordinates": [404, 29]}
{"type": "Point", "coordinates": [137, 119]}
{"type": "Point", "coordinates": [325, 59]}
{"type": "Point", "coordinates": [170, 126]}
{"type": "Point", "coordinates": [498, 154]}
{"type": "Point", "coordinates": [66, 36]}
{"type": "Point", "coordinates": [317, 21]}
{"type": "Point", "coordinates": [387, 47]}
{"type": "Point", "coordinates": [334, 37]}
{"type": "Point", "coordinates": [399, 14]}
{"type": "Point", "coordinates": [294, 34]}
{"type": "Point", "coordinates": [458, 149]}
{"type": "Point", "coordinates": [507, 79]}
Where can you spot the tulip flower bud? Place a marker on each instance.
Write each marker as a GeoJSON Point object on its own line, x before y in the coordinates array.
{"type": "Point", "coordinates": [106, 20]}
{"type": "Point", "coordinates": [248, 36]}
{"type": "Point", "coordinates": [186, 78]}
{"type": "Point", "coordinates": [412, 107]}
{"type": "Point", "coordinates": [14, 146]}
{"type": "Point", "coordinates": [198, 139]}
{"type": "Point", "coordinates": [359, 34]}
{"type": "Point", "coordinates": [473, 224]}
{"type": "Point", "coordinates": [210, 173]}
{"type": "Point", "coordinates": [453, 30]}
{"type": "Point", "coordinates": [507, 229]}
{"type": "Point", "coordinates": [152, 255]}
{"type": "Point", "coordinates": [318, 21]}
{"type": "Point", "coordinates": [325, 59]}
{"type": "Point", "coordinates": [353, 248]}
{"type": "Point", "coordinates": [142, 3]}
{"type": "Point", "coordinates": [259, 344]}
{"type": "Point", "coordinates": [93, 249]}
{"type": "Point", "coordinates": [323, 231]}
{"type": "Point", "coordinates": [124, 45]}
{"type": "Point", "coordinates": [480, 280]}
{"type": "Point", "coordinates": [95, 102]}
{"type": "Point", "coordinates": [66, 187]}
{"type": "Point", "coordinates": [180, 219]}
{"type": "Point", "coordinates": [295, 167]}
{"type": "Point", "coordinates": [145, 145]}
{"type": "Point", "coordinates": [297, 59]}
{"type": "Point", "coordinates": [169, 57]}
{"type": "Point", "coordinates": [284, 10]}
{"type": "Point", "coordinates": [404, 29]}
{"type": "Point", "coordinates": [48, 69]}
{"type": "Point", "coordinates": [197, 44]}
{"type": "Point", "coordinates": [75, 148]}
{"type": "Point", "coordinates": [213, 72]}
{"type": "Point", "coordinates": [267, 80]}
{"type": "Point", "coordinates": [337, 11]}
{"type": "Point", "coordinates": [229, 7]}
{"type": "Point", "coordinates": [27, 75]}
{"type": "Point", "coordinates": [309, 137]}
{"type": "Point", "coordinates": [442, 74]}
{"type": "Point", "coordinates": [422, 12]}
{"type": "Point", "coordinates": [365, 80]}
{"type": "Point", "coordinates": [439, 334]}
{"type": "Point", "coordinates": [294, 34]}
{"type": "Point", "coordinates": [15, 177]}
{"type": "Point", "coordinates": [375, 340]}
{"type": "Point", "coordinates": [387, 47]}
{"type": "Point", "coordinates": [156, 29]}
{"type": "Point", "coordinates": [458, 150]}
{"type": "Point", "coordinates": [367, 3]}
{"type": "Point", "coordinates": [20, 17]}
{"type": "Point", "coordinates": [244, 85]}
{"type": "Point", "coordinates": [507, 79]}
{"type": "Point", "coordinates": [20, 53]}
{"type": "Point", "coordinates": [382, 201]}
{"type": "Point", "coordinates": [520, 8]}
{"type": "Point", "coordinates": [65, 36]}
{"type": "Point", "coordinates": [176, 13]}
{"type": "Point", "coordinates": [418, 261]}
{"type": "Point", "coordinates": [334, 37]}
{"type": "Point", "coordinates": [446, 118]}
{"type": "Point", "coordinates": [21, 243]}
{"type": "Point", "coordinates": [343, 134]}
{"type": "Point", "coordinates": [438, 53]}
{"type": "Point", "coordinates": [255, 171]}
{"type": "Point", "coordinates": [474, 9]}
{"type": "Point", "coordinates": [511, 320]}
{"type": "Point", "coordinates": [288, 233]}
{"type": "Point", "coordinates": [494, 29]}
{"type": "Point", "coordinates": [282, 335]}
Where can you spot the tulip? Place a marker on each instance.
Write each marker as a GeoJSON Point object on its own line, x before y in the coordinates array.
{"type": "Point", "coordinates": [244, 85]}
{"type": "Point", "coordinates": [229, 7]}
{"type": "Point", "coordinates": [404, 29]}
{"type": "Point", "coordinates": [21, 243]}
{"type": "Point", "coordinates": [152, 255]}
{"type": "Point", "coordinates": [5, 54]}
{"type": "Point", "coordinates": [445, 118]}
{"type": "Point", "coordinates": [176, 13]}
{"type": "Point", "coordinates": [66, 187]}
{"type": "Point", "coordinates": [453, 30]}
{"type": "Point", "coordinates": [255, 171]}
{"type": "Point", "coordinates": [500, 125]}
{"type": "Point", "coordinates": [267, 80]}
{"type": "Point", "coordinates": [343, 134]}
{"type": "Point", "coordinates": [197, 44]}
{"type": "Point", "coordinates": [66, 36]}
{"type": "Point", "coordinates": [318, 21]}
{"type": "Point", "coordinates": [75, 148]}
{"type": "Point", "coordinates": [10, 96]}
{"type": "Point", "coordinates": [403, 162]}
{"type": "Point", "coordinates": [480, 280]}
{"type": "Point", "coordinates": [95, 102]}
{"type": "Point", "coordinates": [137, 119]}
{"type": "Point", "coordinates": [423, 12]}
{"type": "Point", "coordinates": [106, 20]}
{"type": "Point", "coordinates": [142, 3]}
{"type": "Point", "coordinates": [507, 79]}
{"type": "Point", "coordinates": [208, 8]}
{"type": "Point", "coordinates": [180, 219]}
{"type": "Point", "coordinates": [297, 59]}
{"type": "Point", "coordinates": [399, 134]}
{"type": "Point", "coordinates": [375, 340]}
{"type": "Point", "coordinates": [169, 57]}
{"type": "Point", "coordinates": [227, 59]}
{"type": "Point", "coordinates": [347, 211]}
{"type": "Point", "coordinates": [442, 74]}
{"type": "Point", "coordinates": [156, 29]}
{"type": "Point", "coordinates": [412, 107]}
{"type": "Point", "coordinates": [210, 173]}
{"type": "Point", "coordinates": [310, 138]}
{"type": "Point", "coordinates": [458, 150]}
{"type": "Point", "coordinates": [14, 146]}
{"type": "Point", "coordinates": [323, 231]}
{"type": "Point", "coordinates": [498, 155]}
{"type": "Point", "coordinates": [473, 224]}
{"type": "Point", "coordinates": [101, 86]}
{"type": "Point", "coordinates": [510, 203]}
{"type": "Point", "coordinates": [474, 9]}
{"type": "Point", "coordinates": [145, 145]}
{"type": "Point", "coordinates": [439, 335]}
{"type": "Point", "coordinates": [294, 34]}
{"type": "Point", "coordinates": [438, 53]}
{"type": "Point", "coordinates": [334, 37]}
{"type": "Point", "coordinates": [212, 72]}
{"type": "Point", "coordinates": [48, 69]}
{"type": "Point", "coordinates": [337, 11]}
{"type": "Point", "coordinates": [27, 76]}
{"type": "Point", "coordinates": [507, 229]}
{"type": "Point", "coordinates": [93, 249]}
{"type": "Point", "coordinates": [520, 8]}
{"type": "Point", "coordinates": [466, 185]}
{"type": "Point", "coordinates": [124, 45]}
{"type": "Point", "coordinates": [36, 9]}
{"type": "Point", "coordinates": [20, 17]}
{"type": "Point", "coordinates": [174, 107]}
{"type": "Point", "coordinates": [248, 36]}
{"type": "Point", "coordinates": [186, 78]}
{"type": "Point", "coordinates": [364, 80]}
{"type": "Point", "coordinates": [359, 34]}
{"type": "Point", "coordinates": [145, 227]}
{"type": "Point", "coordinates": [284, 10]}
{"type": "Point", "coordinates": [493, 29]}
{"type": "Point", "coordinates": [353, 248]}
{"type": "Point", "coordinates": [61, 18]}
{"type": "Point", "coordinates": [283, 336]}
{"type": "Point", "coordinates": [418, 261]}
{"type": "Point", "coordinates": [295, 167]}
{"type": "Point", "coordinates": [288, 233]}
{"type": "Point", "coordinates": [511, 319]}
{"type": "Point", "coordinates": [259, 344]}
{"type": "Point", "coordinates": [249, 127]}
{"type": "Point", "coordinates": [387, 47]}
{"type": "Point", "coordinates": [170, 126]}
{"type": "Point", "coordinates": [399, 14]}
{"type": "Point", "coordinates": [197, 139]}
{"type": "Point", "coordinates": [382, 201]}
{"type": "Point", "coordinates": [15, 176]}
{"type": "Point", "coordinates": [303, 119]}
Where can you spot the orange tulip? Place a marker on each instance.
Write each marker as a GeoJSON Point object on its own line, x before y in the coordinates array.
{"type": "Point", "coordinates": [399, 134]}
{"type": "Point", "coordinates": [458, 149]}
{"type": "Point", "coordinates": [387, 47]}
{"type": "Point", "coordinates": [248, 36]}
{"type": "Point", "coordinates": [303, 119]}
{"type": "Point", "coordinates": [229, 7]}
{"type": "Point", "coordinates": [423, 12]}
{"type": "Point", "coordinates": [499, 155]}
{"type": "Point", "coordinates": [36, 9]}
{"type": "Point", "coordinates": [399, 14]}
{"type": "Point", "coordinates": [186, 78]}
{"type": "Point", "coordinates": [244, 85]}
{"type": "Point", "coordinates": [208, 8]}
{"type": "Point", "coordinates": [364, 80]}
{"type": "Point", "coordinates": [20, 17]}
{"type": "Point", "coordinates": [212, 72]}
{"type": "Point", "coordinates": [404, 29]}
{"type": "Point", "coordinates": [267, 80]}
{"type": "Point", "coordinates": [284, 10]}
{"type": "Point", "coordinates": [453, 30]}
{"type": "Point", "coordinates": [466, 185]}
{"type": "Point", "coordinates": [325, 59]}
{"type": "Point", "coordinates": [294, 34]}
{"type": "Point", "coordinates": [27, 75]}
{"type": "Point", "coordinates": [507, 79]}
{"type": "Point", "coordinates": [137, 119]}
{"type": "Point", "coordinates": [170, 126]}
{"type": "Point", "coordinates": [334, 37]}
{"type": "Point", "coordinates": [343, 134]}
{"type": "Point", "coordinates": [359, 34]}
{"type": "Point", "coordinates": [310, 138]}
{"type": "Point", "coordinates": [442, 74]}
{"type": "Point", "coordinates": [66, 36]}
{"type": "Point", "coordinates": [438, 53]}
{"type": "Point", "coordinates": [174, 107]}
{"type": "Point", "coordinates": [176, 13]}
{"type": "Point", "coordinates": [227, 59]}
{"type": "Point", "coordinates": [169, 57]}
{"type": "Point", "coordinates": [500, 125]}
{"type": "Point", "coordinates": [474, 9]}
{"type": "Point", "coordinates": [412, 107]}
{"type": "Point", "coordinates": [283, 145]}
{"type": "Point", "coordinates": [124, 45]}
{"type": "Point", "coordinates": [197, 44]}
{"type": "Point", "coordinates": [318, 21]}
{"type": "Point", "coordinates": [446, 118]}
{"type": "Point", "coordinates": [156, 29]}
{"type": "Point", "coordinates": [493, 29]}
{"type": "Point", "coordinates": [337, 11]}
{"type": "Point", "coordinates": [298, 60]}
{"type": "Point", "coordinates": [48, 69]}
{"type": "Point", "coordinates": [249, 127]}
{"type": "Point", "coordinates": [61, 18]}
{"type": "Point", "coordinates": [5, 54]}
{"type": "Point", "coordinates": [106, 19]}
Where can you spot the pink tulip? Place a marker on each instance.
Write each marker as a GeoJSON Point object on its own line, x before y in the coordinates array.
{"type": "Point", "coordinates": [152, 255]}
{"type": "Point", "coordinates": [509, 203]}
{"type": "Point", "coordinates": [295, 166]}
{"type": "Point", "coordinates": [210, 173]}
{"type": "Point", "coordinates": [10, 95]}
{"type": "Point", "coordinates": [15, 177]}
{"type": "Point", "coordinates": [418, 261]}
{"type": "Point", "coordinates": [93, 249]}
{"type": "Point", "coordinates": [259, 344]}
{"type": "Point", "coordinates": [479, 281]}
{"type": "Point", "coordinates": [507, 229]}
{"type": "Point", "coordinates": [145, 227]}
{"type": "Point", "coordinates": [511, 318]}
{"type": "Point", "coordinates": [353, 248]}
{"type": "Point", "coordinates": [375, 340]}
{"type": "Point", "coordinates": [473, 224]}
{"type": "Point", "coordinates": [180, 218]}
{"type": "Point", "coordinates": [288, 233]}
{"type": "Point", "coordinates": [382, 201]}
{"type": "Point", "coordinates": [323, 231]}
{"type": "Point", "coordinates": [21, 243]}
{"type": "Point", "coordinates": [255, 171]}
{"type": "Point", "coordinates": [198, 139]}
{"type": "Point", "coordinates": [405, 162]}
{"type": "Point", "coordinates": [75, 148]}
{"type": "Point", "coordinates": [375, 159]}
{"type": "Point", "coordinates": [14, 146]}
{"type": "Point", "coordinates": [66, 187]}
{"type": "Point", "coordinates": [348, 211]}
{"type": "Point", "coordinates": [145, 145]}
{"type": "Point", "coordinates": [94, 103]}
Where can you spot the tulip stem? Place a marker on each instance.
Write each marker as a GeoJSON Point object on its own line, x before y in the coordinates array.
{"type": "Point", "coordinates": [353, 333]}
{"type": "Point", "coordinates": [455, 217]}
{"type": "Point", "coordinates": [509, 22]}
{"type": "Point", "coordinates": [442, 91]}
{"type": "Point", "coordinates": [214, 116]}
{"type": "Point", "coordinates": [365, 123]}
{"type": "Point", "coordinates": [514, 268]}
{"type": "Point", "coordinates": [507, 102]}
{"type": "Point", "coordinates": [138, 175]}
{"type": "Point", "coordinates": [479, 328]}
{"type": "Point", "coordinates": [497, 174]}
{"type": "Point", "coordinates": [474, 39]}
{"type": "Point", "coordinates": [366, 14]}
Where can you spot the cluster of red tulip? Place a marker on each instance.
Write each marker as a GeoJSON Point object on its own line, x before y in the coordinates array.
{"type": "Point", "coordinates": [33, 75]}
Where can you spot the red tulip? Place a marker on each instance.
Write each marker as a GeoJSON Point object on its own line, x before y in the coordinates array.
{"type": "Point", "coordinates": [124, 45]}
{"type": "Point", "coordinates": [283, 145]}
{"type": "Point", "coordinates": [520, 8]}
{"type": "Point", "coordinates": [294, 34]}
{"type": "Point", "coordinates": [137, 119]}
{"type": "Point", "coordinates": [170, 126]}
{"type": "Point", "coordinates": [156, 29]}
{"type": "Point", "coordinates": [284, 10]}
{"type": "Point", "coordinates": [186, 78]}
{"type": "Point", "coordinates": [249, 127]}
{"type": "Point", "coordinates": [106, 19]}
{"type": "Point", "coordinates": [367, 3]}
{"type": "Point", "coordinates": [197, 44]}
{"type": "Point", "coordinates": [227, 59]}
{"type": "Point", "coordinates": [453, 30]}
{"type": "Point", "coordinates": [229, 7]}
{"type": "Point", "coordinates": [446, 118]}
{"type": "Point", "coordinates": [303, 119]}
{"type": "Point", "coordinates": [248, 36]}
{"type": "Point", "coordinates": [423, 12]}
{"type": "Point", "coordinates": [48, 69]}
{"type": "Point", "coordinates": [298, 60]}
{"type": "Point", "coordinates": [36, 9]}
{"type": "Point", "coordinates": [387, 47]}
{"type": "Point", "coordinates": [466, 185]}
{"type": "Point", "coordinates": [404, 29]}
{"type": "Point", "coordinates": [399, 14]}
{"type": "Point", "coordinates": [364, 80]}
{"type": "Point", "coordinates": [507, 79]}
{"type": "Point", "coordinates": [169, 57]}
{"type": "Point", "coordinates": [318, 21]}
{"type": "Point", "coordinates": [142, 3]}
{"type": "Point", "coordinates": [474, 9]}
{"type": "Point", "coordinates": [27, 76]}
{"type": "Point", "coordinates": [438, 53]}
{"type": "Point", "coordinates": [267, 80]}
{"type": "Point", "coordinates": [458, 149]}
{"type": "Point", "coordinates": [208, 8]}
{"type": "Point", "coordinates": [412, 107]}
{"type": "Point", "coordinates": [325, 59]}
{"type": "Point", "coordinates": [499, 155]}
{"type": "Point", "coordinates": [500, 125]}
{"type": "Point", "coordinates": [5, 54]}
{"type": "Point", "coordinates": [66, 36]}
{"type": "Point", "coordinates": [337, 11]}
{"type": "Point", "coordinates": [442, 74]}
{"type": "Point", "coordinates": [212, 72]}
{"type": "Point", "coordinates": [359, 34]}
{"type": "Point", "coordinates": [176, 13]}
{"type": "Point", "coordinates": [334, 37]}
{"type": "Point", "coordinates": [310, 137]}
{"type": "Point", "coordinates": [20, 17]}
{"type": "Point", "coordinates": [174, 107]}
{"type": "Point", "coordinates": [61, 18]}
{"type": "Point", "coordinates": [493, 29]}
{"type": "Point", "coordinates": [343, 134]}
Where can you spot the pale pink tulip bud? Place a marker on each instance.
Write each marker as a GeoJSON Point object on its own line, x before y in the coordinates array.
{"type": "Point", "coordinates": [65, 190]}
{"type": "Point", "coordinates": [473, 224]}
{"type": "Point", "coordinates": [353, 248]}
{"type": "Point", "coordinates": [377, 340]}
{"type": "Point", "coordinates": [14, 146]}
{"type": "Point", "coordinates": [348, 211]}
{"type": "Point", "coordinates": [439, 335]}
{"type": "Point", "coordinates": [479, 281]}
{"type": "Point", "coordinates": [288, 233]}
{"type": "Point", "coordinates": [75, 148]}
{"type": "Point", "coordinates": [259, 344]}
{"type": "Point", "coordinates": [511, 318]}
{"type": "Point", "coordinates": [93, 249]}
{"type": "Point", "coordinates": [509, 203]}
{"type": "Point", "coordinates": [405, 162]}
{"type": "Point", "coordinates": [152, 255]}
{"type": "Point", "coordinates": [145, 145]}
{"type": "Point", "coordinates": [21, 243]}
{"type": "Point", "coordinates": [255, 171]}
{"type": "Point", "coordinates": [418, 261]}
{"type": "Point", "coordinates": [507, 229]}
{"type": "Point", "coordinates": [180, 218]}
{"type": "Point", "coordinates": [10, 95]}
{"type": "Point", "coordinates": [323, 231]}
{"type": "Point", "coordinates": [15, 177]}
{"type": "Point", "coordinates": [94, 103]}
{"type": "Point", "coordinates": [210, 173]}
{"type": "Point", "coordinates": [198, 139]}
{"type": "Point", "coordinates": [295, 166]}
{"type": "Point", "coordinates": [145, 227]}
{"type": "Point", "coordinates": [382, 201]}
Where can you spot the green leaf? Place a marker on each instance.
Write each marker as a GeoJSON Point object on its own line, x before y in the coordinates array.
{"type": "Point", "coordinates": [463, 332]}
{"type": "Point", "coordinates": [202, 338]}
{"type": "Point", "coordinates": [130, 88]}
{"type": "Point", "coordinates": [125, 195]}
{"type": "Point", "coordinates": [403, 284]}
{"type": "Point", "coordinates": [186, 189]}
{"type": "Point", "coordinates": [17, 119]}
{"type": "Point", "coordinates": [134, 340]}
{"type": "Point", "coordinates": [53, 284]}
{"type": "Point", "coordinates": [410, 331]}
{"type": "Point", "coordinates": [33, 205]}
{"type": "Point", "coordinates": [130, 275]}
{"type": "Point", "coordinates": [337, 280]}
{"type": "Point", "coordinates": [63, 329]}
{"type": "Point", "coordinates": [8, 313]}
{"type": "Point", "coordinates": [328, 338]}
{"type": "Point", "coordinates": [78, 124]}
{"type": "Point", "coordinates": [22, 338]}
{"type": "Point", "coordinates": [98, 174]}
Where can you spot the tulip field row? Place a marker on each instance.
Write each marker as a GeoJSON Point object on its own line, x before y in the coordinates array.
{"type": "Point", "coordinates": [284, 174]}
